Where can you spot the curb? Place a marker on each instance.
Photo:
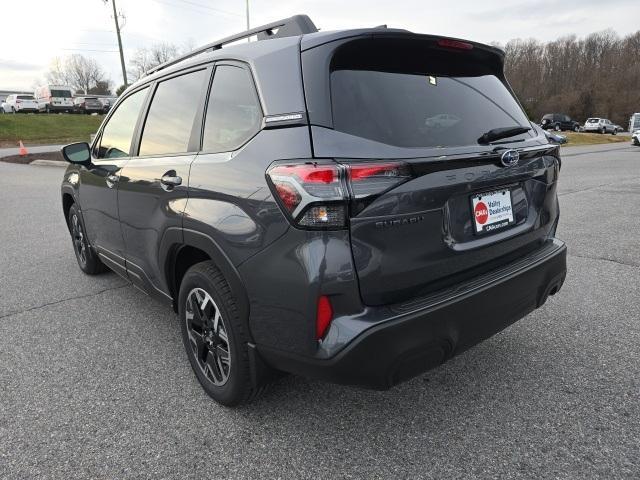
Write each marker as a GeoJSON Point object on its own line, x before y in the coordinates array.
{"type": "Point", "coordinates": [48, 163]}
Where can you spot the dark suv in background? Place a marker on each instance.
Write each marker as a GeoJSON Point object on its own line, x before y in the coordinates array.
{"type": "Point", "coordinates": [558, 122]}
{"type": "Point", "coordinates": [87, 105]}
{"type": "Point", "coordinates": [356, 206]}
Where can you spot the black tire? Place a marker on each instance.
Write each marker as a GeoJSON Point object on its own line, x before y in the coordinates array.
{"type": "Point", "coordinates": [603, 131]}
{"type": "Point", "coordinates": [557, 128]}
{"type": "Point", "coordinates": [614, 132]}
{"type": "Point", "coordinates": [576, 128]}
{"type": "Point", "coordinates": [220, 362]}
{"type": "Point", "coordinates": [88, 260]}
{"type": "Point", "coordinates": [636, 142]}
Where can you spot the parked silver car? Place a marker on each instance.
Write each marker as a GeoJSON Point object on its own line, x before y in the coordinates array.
{"type": "Point", "coordinates": [600, 125]}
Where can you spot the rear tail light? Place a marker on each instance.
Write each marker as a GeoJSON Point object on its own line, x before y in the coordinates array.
{"type": "Point", "coordinates": [311, 193]}
{"type": "Point", "coordinates": [18, 101]}
{"type": "Point", "coordinates": [324, 316]}
{"type": "Point", "coordinates": [457, 44]}
{"type": "Point", "coordinates": [316, 195]}
{"type": "Point", "coordinates": [373, 178]}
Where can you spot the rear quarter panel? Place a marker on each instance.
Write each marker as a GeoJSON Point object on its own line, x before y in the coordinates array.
{"type": "Point", "coordinates": [229, 199]}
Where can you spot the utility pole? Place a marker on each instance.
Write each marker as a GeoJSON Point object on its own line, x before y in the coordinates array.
{"type": "Point", "coordinates": [115, 18]}
{"type": "Point", "coordinates": [248, 27]}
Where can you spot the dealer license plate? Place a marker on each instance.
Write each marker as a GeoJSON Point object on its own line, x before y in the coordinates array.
{"type": "Point", "coordinates": [492, 211]}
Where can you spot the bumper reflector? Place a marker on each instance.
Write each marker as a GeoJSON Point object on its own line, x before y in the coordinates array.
{"type": "Point", "coordinates": [323, 317]}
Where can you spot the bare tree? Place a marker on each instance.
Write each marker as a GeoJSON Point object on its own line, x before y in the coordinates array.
{"type": "Point", "coordinates": [100, 88]}
{"type": "Point", "coordinates": [77, 71]}
{"type": "Point", "coordinates": [146, 58]}
{"type": "Point", "coordinates": [596, 76]}
{"type": "Point", "coordinates": [57, 73]}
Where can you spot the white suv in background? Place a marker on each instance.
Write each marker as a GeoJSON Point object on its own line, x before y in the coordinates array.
{"type": "Point", "coordinates": [15, 103]}
{"type": "Point", "coordinates": [635, 138]}
{"type": "Point", "coordinates": [601, 125]}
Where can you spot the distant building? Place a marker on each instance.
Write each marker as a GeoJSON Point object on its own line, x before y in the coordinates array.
{"type": "Point", "coordinates": [5, 93]}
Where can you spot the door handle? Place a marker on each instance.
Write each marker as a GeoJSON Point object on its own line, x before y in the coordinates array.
{"type": "Point", "coordinates": [112, 180]}
{"type": "Point", "coordinates": [170, 179]}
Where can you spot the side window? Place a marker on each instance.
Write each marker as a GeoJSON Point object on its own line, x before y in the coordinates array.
{"type": "Point", "coordinates": [173, 110]}
{"type": "Point", "coordinates": [118, 132]}
{"type": "Point", "coordinates": [233, 113]}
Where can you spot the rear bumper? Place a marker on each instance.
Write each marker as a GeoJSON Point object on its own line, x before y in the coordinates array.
{"type": "Point", "coordinates": [416, 336]}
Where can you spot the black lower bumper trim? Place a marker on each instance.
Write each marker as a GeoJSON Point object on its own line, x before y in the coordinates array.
{"type": "Point", "coordinates": [417, 341]}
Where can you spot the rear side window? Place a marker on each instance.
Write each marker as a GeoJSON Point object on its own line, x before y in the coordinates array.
{"type": "Point", "coordinates": [172, 113]}
{"type": "Point", "coordinates": [233, 113]}
{"type": "Point", "coordinates": [118, 132]}
{"type": "Point", "coordinates": [418, 100]}
{"type": "Point", "coordinates": [61, 93]}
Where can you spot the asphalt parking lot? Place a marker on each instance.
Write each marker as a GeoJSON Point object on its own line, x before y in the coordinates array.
{"type": "Point", "coordinates": [94, 382]}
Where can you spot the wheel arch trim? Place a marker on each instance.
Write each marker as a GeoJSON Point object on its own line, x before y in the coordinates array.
{"type": "Point", "coordinates": [175, 238]}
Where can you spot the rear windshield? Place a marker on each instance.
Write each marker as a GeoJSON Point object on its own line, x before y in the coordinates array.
{"type": "Point", "coordinates": [593, 120]}
{"type": "Point", "coordinates": [421, 99]}
{"type": "Point", "coordinates": [25, 97]}
{"type": "Point", "coordinates": [61, 93]}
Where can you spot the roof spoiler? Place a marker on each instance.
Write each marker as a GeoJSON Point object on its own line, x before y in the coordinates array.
{"type": "Point", "coordinates": [287, 27]}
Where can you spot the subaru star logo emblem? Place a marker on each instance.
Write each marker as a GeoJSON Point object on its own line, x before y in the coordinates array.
{"type": "Point", "coordinates": [510, 158]}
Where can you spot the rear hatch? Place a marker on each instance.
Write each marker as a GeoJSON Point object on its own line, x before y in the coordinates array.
{"type": "Point", "coordinates": [431, 203]}
{"type": "Point", "coordinates": [92, 104]}
{"type": "Point", "coordinates": [26, 102]}
{"type": "Point", "coordinates": [61, 98]}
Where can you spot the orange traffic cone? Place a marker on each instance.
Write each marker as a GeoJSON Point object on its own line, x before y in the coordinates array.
{"type": "Point", "coordinates": [23, 151]}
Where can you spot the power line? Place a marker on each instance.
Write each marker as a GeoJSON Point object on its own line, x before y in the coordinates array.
{"type": "Point", "coordinates": [92, 43]}
{"type": "Point", "coordinates": [196, 6]}
{"type": "Point", "coordinates": [210, 8]}
{"type": "Point", "coordinates": [88, 50]}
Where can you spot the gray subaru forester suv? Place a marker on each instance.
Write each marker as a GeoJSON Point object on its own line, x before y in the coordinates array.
{"type": "Point", "coordinates": [356, 206]}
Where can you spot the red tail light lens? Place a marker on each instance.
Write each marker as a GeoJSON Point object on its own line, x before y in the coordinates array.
{"type": "Point", "coordinates": [457, 44]}
{"type": "Point", "coordinates": [288, 194]}
{"type": "Point", "coordinates": [324, 316]}
{"type": "Point", "coordinates": [312, 193]}
{"type": "Point", "coordinates": [374, 178]}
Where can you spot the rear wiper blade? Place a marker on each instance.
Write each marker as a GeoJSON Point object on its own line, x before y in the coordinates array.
{"type": "Point", "coordinates": [503, 132]}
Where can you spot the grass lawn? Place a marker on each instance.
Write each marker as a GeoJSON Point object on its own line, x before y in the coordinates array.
{"type": "Point", "coordinates": [43, 129]}
{"type": "Point", "coordinates": [580, 138]}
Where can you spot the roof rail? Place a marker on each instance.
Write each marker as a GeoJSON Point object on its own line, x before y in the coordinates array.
{"type": "Point", "coordinates": [287, 27]}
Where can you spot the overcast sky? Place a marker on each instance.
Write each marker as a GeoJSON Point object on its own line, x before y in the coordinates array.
{"type": "Point", "coordinates": [33, 32]}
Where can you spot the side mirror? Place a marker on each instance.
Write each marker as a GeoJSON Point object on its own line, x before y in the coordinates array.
{"type": "Point", "coordinates": [77, 153]}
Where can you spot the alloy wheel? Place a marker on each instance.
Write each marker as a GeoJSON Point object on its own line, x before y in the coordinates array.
{"type": "Point", "coordinates": [208, 336]}
{"type": "Point", "coordinates": [79, 242]}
